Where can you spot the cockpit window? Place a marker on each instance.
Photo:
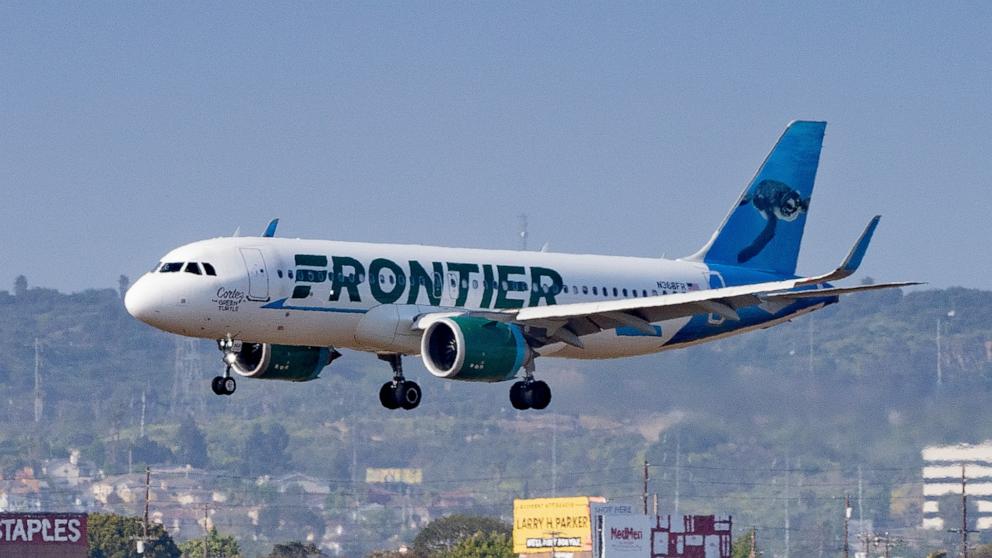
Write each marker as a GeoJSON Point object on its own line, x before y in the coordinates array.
{"type": "Point", "coordinates": [171, 267]}
{"type": "Point", "coordinates": [209, 269]}
{"type": "Point", "coordinates": [194, 268]}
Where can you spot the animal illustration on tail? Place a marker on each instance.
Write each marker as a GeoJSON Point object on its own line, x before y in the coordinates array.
{"type": "Point", "coordinates": [775, 201]}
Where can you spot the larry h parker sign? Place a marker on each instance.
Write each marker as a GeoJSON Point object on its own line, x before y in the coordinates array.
{"type": "Point", "coordinates": [552, 524]}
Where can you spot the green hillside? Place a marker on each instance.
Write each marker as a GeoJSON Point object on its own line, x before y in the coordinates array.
{"type": "Point", "coordinates": [749, 426]}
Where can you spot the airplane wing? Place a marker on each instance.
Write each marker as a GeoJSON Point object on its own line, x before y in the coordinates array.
{"type": "Point", "coordinates": [568, 322]}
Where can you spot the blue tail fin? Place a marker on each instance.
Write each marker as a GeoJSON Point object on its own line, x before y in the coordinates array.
{"type": "Point", "coordinates": [765, 227]}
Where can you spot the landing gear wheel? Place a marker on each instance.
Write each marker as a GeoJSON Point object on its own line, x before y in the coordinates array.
{"type": "Point", "coordinates": [539, 395]}
{"type": "Point", "coordinates": [228, 385]}
{"type": "Point", "coordinates": [518, 396]}
{"type": "Point", "coordinates": [408, 394]}
{"type": "Point", "coordinates": [387, 396]}
{"type": "Point", "coordinates": [215, 385]}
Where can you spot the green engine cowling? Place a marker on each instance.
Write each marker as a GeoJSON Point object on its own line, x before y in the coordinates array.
{"type": "Point", "coordinates": [265, 361]}
{"type": "Point", "coordinates": [473, 349]}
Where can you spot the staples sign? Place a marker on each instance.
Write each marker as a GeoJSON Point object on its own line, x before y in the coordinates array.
{"type": "Point", "coordinates": [42, 529]}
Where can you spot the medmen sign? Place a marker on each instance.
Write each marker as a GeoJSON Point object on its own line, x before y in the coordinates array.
{"type": "Point", "coordinates": [43, 535]}
{"type": "Point", "coordinates": [551, 524]}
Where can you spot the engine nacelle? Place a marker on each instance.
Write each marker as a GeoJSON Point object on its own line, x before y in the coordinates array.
{"type": "Point", "coordinates": [282, 362]}
{"type": "Point", "coordinates": [473, 349]}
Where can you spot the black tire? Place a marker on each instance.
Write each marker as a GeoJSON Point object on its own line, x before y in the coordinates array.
{"type": "Point", "coordinates": [540, 395]}
{"type": "Point", "coordinates": [215, 385]}
{"type": "Point", "coordinates": [387, 396]}
{"type": "Point", "coordinates": [518, 396]}
{"type": "Point", "coordinates": [228, 385]}
{"type": "Point", "coordinates": [409, 395]}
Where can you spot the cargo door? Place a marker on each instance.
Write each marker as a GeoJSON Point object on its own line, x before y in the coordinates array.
{"type": "Point", "coordinates": [258, 280]}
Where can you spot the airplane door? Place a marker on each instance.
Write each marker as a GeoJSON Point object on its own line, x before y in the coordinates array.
{"type": "Point", "coordinates": [715, 281]}
{"type": "Point", "coordinates": [258, 281]}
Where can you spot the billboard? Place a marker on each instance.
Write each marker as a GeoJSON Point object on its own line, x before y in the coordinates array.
{"type": "Point", "coordinates": [551, 525]}
{"type": "Point", "coordinates": [627, 536]}
{"type": "Point", "coordinates": [41, 535]}
{"type": "Point", "coordinates": [385, 476]}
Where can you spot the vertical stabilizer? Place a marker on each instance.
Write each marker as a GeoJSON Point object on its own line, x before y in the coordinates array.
{"type": "Point", "coordinates": [765, 227]}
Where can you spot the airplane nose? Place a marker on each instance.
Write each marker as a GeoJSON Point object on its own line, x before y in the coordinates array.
{"type": "Point", "coordinates": [141, 301]}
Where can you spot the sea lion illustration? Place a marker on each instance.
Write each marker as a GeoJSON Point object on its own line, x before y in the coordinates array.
{"type": "Point", "coordinates": [775, 201]}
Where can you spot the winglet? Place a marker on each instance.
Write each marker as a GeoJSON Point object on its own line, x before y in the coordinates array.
{"type": "Point", "coordinates": [853, 260]}
{"type": "Point", "coordinates": [270, 231]}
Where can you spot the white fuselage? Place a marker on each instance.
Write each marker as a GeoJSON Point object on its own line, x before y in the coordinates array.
{"type": "Point", "coordinates": [317, 292]}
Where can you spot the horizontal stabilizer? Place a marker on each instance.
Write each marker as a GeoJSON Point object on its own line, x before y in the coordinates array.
{"type": "Point", "coordinates": [834, 291]}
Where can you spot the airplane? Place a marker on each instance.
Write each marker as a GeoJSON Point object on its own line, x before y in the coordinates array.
{"type": "Point", "coordinates": [280, 308]}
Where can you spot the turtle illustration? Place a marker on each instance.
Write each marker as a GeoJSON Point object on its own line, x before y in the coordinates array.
{"type": "Point", "coordinates": [775, 201]}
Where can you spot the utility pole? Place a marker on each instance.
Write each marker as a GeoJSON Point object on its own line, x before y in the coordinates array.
{"type": "Point", "coordinates": [38, 402]}
{"type": "Point", "coordinates": [678, 468]}
{"type": "Point", "coordinates": [148, 483]}
{"type": "Point", "coordinates": [787, 526]}
{"type": "Point", "coordinates": [940, 369]}
{"type": "Point", "coordinates": [656, 504]}
{"type": "Point", "coordinates": [847, 520]}
{"type": "Point", "coordinates": [646, 478]}
{"type": "Point", "coordinates": [206, 536]}
{"type": "Point", "coordinates": [964, 515]}
{"type": "Point", "coordinates": [753, 552]}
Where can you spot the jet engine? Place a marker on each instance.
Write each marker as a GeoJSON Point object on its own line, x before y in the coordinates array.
{"type": "Point", "coordinates": [265, 361]}
{"type": "Point", "coordinates": [473, 349]}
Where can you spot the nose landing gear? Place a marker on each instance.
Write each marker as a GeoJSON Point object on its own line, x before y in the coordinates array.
{"type": "Point", "coordinates": [399, 392]}
{"type": "Point", "coordinates": [226, 385]}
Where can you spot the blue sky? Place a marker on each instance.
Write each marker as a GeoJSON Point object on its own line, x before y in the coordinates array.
{"type": "Point", "coordinates": [621, 128]}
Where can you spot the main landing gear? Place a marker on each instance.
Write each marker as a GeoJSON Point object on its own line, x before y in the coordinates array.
{"type": "Point", "coordinates": [530, 393]}
{"type": "Point", "coordinates": [225, 385]}
{"type": "Point", "coordinates": [400, 392]}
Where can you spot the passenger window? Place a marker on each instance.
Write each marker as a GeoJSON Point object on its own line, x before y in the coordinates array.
{"type": "Point", "coordinates": [209, 268]}
{"type": "Point", "coordinates": [392, 280]}
{"type": "Point", "coordinates": [616, 294]}
{"type": "Point", "coordinates": [635, 293]}
{"type": "Point", "coordinates": [278, 272]}
{"type": "Point", "coordinates": [585, 289]}
{"type": "Point", "coordinates": [654, 292]}
{"type": "Point", "coordinates": [464, 283]}
{"type": "Point", "coordinates": [290, 273]}
{"type": "Point", "coordinates": [171, 267]}
{"type": "Point", "coordinates": [625, 292]}
{"type": "Point", "coordinates": [595, 291]}
{"type": "Point", "coordinates": [475, 283]}
{"type": "Point", "coordinates": [605, 292]}
{"type": "Point", "coordinates": [644, 292]}
{"type": "Point", "coordinates": [453, 281]}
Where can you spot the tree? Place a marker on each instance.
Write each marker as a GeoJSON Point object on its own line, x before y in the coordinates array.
{"type": "Point", "coordinates": [445, 534]}
{"type": "Point", "coordinates": [123, 282]}
{"type": "Point", "coordinates": [295, 549]}
{"type": "Point", "coordinates": [191, 444]}
{"type": "Point", "coordinates": [145, 450]}
{"type": "Point", "coordinates": [265, 450]}
{"type": "Point", "coordinates": [983, 551]}
{"type": "Point", "coordinates": [114, 536]}
{"type": "Point", "coordinates": [482, 545]}
{"type": "Point", "coordinates": [218, 546]}
{"type": "Point", "coordinates": [20, 286]}
{"type": "Point", "coordinates": [742, 546]}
